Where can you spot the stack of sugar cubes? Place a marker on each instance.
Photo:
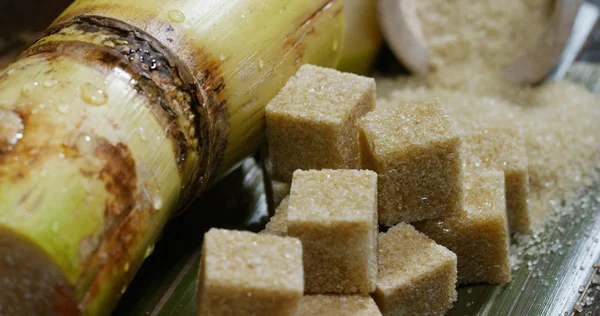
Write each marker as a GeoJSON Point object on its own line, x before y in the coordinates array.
{"type": "Point", "coordinates": [386, 212]}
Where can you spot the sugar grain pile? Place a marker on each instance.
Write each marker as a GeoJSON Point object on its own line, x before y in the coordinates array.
{"type": "Point", "coordinates": [466, 38]}
{"type": "Point", "coordinates": [491, 31]}
{"type": "Point", "coordinates": [471, 42]}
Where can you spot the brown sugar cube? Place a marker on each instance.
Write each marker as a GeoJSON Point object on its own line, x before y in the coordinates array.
{"type": "Point", "coordinates": [338, 305]}
{"type": "Point", "coordinates": [503, 148]}
{"type": "Point", "coordinates": [311, 123]}
{"type": "Point", "coordinates": [414, 148]}
{"type": "Point", "coordinates": [243, 273]}
{"type": "Point", "coordinates": [334, 214]}
{"type": "Point", "coordinates": [280, 191]}
{"type": "Point", "coordinates": [416, 276]}
{"type": "Point", "coordinates": [278, 225]}
{"type": "Point", "coordinates": [478, 236]}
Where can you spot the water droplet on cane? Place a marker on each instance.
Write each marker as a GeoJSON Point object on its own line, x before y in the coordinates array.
{"type": "Point", "coordinates": [93, 95]}
{"type": "Point", "coordinates": [11, 130]}
{"type": "Point", "coordinates": [176, 16]}
{"type": "Point", "coordinates": [142, 134]}
{"type": "Point", "coordinates": [49, 83]}
{"type": "Point", "coordinates": [63, 109]}
{"type": "Point", "coordinates": [84, 144]}
{"type": "Point", "coordinates": [28, 88]}
{"type": "Point", "coordinates": [109, 43]}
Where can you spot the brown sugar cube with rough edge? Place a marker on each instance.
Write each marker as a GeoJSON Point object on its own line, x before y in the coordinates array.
{"type": "Point", "coordinates": [503, 148]}
{"type": "Point", "coordinates": [416, 275]}
{"type": "Point", "coordinates": [415, 150]}
{"type": "Point", "coordinates": [479, 236]}
{"type": "Point", "coordinates": [338, 305]}
{"type": "Point", "coordinates": [243, 273]}
{"type": "Point", "coordinates": [334, 214]}
{"type": "Point", "coordinates": [311, 123]}
{"type": "Point", "coordinates": [277, 225]}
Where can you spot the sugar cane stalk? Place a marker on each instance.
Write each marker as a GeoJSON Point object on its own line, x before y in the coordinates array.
{"type": "Point", "coordinates": [121, 114]}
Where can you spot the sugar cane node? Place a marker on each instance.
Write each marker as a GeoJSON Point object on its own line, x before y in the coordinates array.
{"type": "Point", "coordinates": [187, 113]}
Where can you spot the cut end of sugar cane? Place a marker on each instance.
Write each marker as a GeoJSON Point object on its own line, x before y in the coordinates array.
{"type": "Point", "coordinates": [30, 281]}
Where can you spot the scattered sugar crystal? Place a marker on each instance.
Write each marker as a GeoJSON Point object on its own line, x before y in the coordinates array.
{"type": "Point", "coordinates": [579, 307]}
{"type": "Point", "coordinates": [479, 235]}
{"type": "Point", "coordinates": [277, 225]}
{"type": "Point", "coordinates": [503, 148]}
{"type": "Point", "coordinates": [311, 123]}
{"type": "Point", "coordinates": [243, 273]}
{"type": "Point", "coordinates": [338, 305]}
{"type": "Point", "coordinates": [416, 276]}
{"type": "Point", "coordinates": [334, 214]}
{"type": "Point", "coordinates": [414, 148]}
{"type": "Point", "coordinates": [565, 114]}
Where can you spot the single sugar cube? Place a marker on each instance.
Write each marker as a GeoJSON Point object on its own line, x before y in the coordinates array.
{"type": "Point", "coordinates": [503, 148]}
{"type": "Point", "coordinates": [415, 149]}
{"type": "Point", "coordinates": [416, 275]}
{"type": "Point", "coordinates": [479, 235]}
{"type": "Point", "coordinates": [243, 273]}
{"type": "Point", "coordinates": [280, 191]}
{"type": "Point", "coordinates": [311, 123]}
{"type": "Point", "coordinates": [338, 305]}
{"type": "Point", "coordinates": [334, 214]}
{"type": "Point", "coordinates": [278, 225]}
